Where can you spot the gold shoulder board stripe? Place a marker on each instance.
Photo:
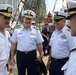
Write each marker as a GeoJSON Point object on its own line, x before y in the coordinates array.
{"type": "Point", "coordinates": [35, 27]}
{"type": "Point", "coordinates": [73, 49]}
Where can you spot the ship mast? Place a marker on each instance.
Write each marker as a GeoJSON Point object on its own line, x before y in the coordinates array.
{"type": "Point", "coordinates": [54, 7]}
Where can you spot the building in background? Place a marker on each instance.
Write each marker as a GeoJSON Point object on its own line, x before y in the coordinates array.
{"type": "Point", "coordinates": [39, 6]}
{"type": "Point", "coordinates": [12, 2]}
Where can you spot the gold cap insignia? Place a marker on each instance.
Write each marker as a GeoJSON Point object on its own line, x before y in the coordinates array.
{"type": "Point", "coordinates": [9, 9]}
{"type": "Point", "coordinates": [29, 13]}
{"type": "Point", "coordinates": [56, 13]}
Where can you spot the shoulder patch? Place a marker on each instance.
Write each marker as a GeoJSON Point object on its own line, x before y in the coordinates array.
{"type": "Point", "coordinates": [74, 47]}
{"type": "Point", "coordinates": [35, 27]}
{"type": "Point", "coordinates": [18, 27]}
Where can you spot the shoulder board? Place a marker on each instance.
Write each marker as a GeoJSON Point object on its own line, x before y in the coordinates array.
{"type": "Point", "coordinates": [73, 49]}
{"type": "Point", "coordinates": [35, 27]}
{"type": "Point", "coordinates": [69, 30]}
{"type": "Point", "coordinates": [18, 27]}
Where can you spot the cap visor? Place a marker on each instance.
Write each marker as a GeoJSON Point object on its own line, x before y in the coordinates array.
{"type": "Point", "coordinates": [6, 14]}
{"type": "Point", "coordinates": [57, 20]}
{"type": "Point", "coordinates": [71, 15]}
{"type": "Point", "coordinates": [28, 16]}
{"type": "Point", "coordinates": [68, 17]}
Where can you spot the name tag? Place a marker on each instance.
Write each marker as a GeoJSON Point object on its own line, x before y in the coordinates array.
{"type": "Point", "coordinates": [32, 34]}
{"type": "Point", "coordinates": [63, 36]}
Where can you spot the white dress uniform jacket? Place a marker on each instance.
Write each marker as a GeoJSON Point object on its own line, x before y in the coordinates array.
{"type": "Point", "coordinates": [61, 43]}
{"type": "Point", "coordinates": [70, 67]}
{"type": "Point", "coordinates": [27, 40]}
{"type": "Point", "coordinates": [4, 51]}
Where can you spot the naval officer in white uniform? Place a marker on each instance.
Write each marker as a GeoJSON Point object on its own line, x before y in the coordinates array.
{"type": "Point", "coordinates": [70, 66]}
{"type": "Point", "coordinates": [5, 15]}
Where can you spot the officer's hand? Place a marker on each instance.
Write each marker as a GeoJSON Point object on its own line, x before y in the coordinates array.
{"type": "Point", "coordinates": [10, 68]}
{"type": "Point", "coordinates": [47, 38]}
{"type": "Point", "coordinates": [48, 66]}
{"type": "Point", "coordinates": [12, 62]}
{"type": "Point", "coordinates": [40, 58]}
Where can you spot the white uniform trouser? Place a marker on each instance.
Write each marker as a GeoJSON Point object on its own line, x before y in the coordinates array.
{"type": "Point", "coordinates": [71, 68]}
{"type": "Point", "coordinates": [3, 71]}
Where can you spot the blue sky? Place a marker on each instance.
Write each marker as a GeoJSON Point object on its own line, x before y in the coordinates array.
{"type": "Point", "coordinates": [50, 5]}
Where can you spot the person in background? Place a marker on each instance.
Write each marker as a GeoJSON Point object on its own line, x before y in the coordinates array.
{"type": "Point", "coordinates": [33, 23]}
{"type": "Point", "coordinates": [49, 35]}
{"type": "Point", "coordinates": [45, 37]}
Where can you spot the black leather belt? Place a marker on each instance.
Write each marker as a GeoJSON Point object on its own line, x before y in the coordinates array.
{"type": "Point", "coordinates": [60, 59]}
{"type": "Point", "coordinates": [27, 52]}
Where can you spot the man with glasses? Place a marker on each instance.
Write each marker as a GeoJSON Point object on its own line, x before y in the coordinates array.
{"type": "Point", "coordinates": [61, 44]}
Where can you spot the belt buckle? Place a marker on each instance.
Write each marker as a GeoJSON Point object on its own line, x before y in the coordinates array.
{"type": "Point", "coordinates": [26, 52]}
